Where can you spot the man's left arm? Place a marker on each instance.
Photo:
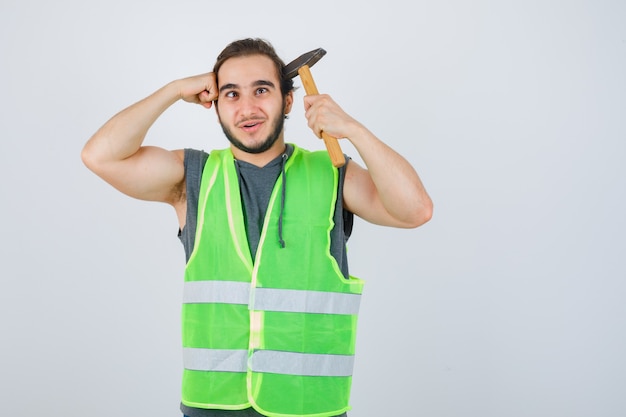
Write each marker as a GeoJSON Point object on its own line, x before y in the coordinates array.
{"type": "Point", "coordinates": [388, 191]}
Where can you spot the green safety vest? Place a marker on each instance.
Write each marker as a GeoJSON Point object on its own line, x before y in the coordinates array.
{"type": "Point", "coordinates": [278, 332]}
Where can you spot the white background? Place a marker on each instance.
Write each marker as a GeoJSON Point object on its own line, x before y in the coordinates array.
{"type": "Point", "coordinates": [510, 302]}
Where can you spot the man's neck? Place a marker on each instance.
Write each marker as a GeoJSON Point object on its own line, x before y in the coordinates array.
{"type": "Point", "coordinates": [260, 159]}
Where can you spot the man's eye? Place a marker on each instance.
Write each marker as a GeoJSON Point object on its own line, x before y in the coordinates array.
{"type": "Point", "coordinates": [261, 90]}
{"type": "Point", "coordinates": [231, 94]}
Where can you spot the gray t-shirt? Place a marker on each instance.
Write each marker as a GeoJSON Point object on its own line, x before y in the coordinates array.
{"type": "Point", "coordinates": [256, 186]}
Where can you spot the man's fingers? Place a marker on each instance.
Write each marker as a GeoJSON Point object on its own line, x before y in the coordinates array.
{"type": "Point", "coordinates": [206, 97]}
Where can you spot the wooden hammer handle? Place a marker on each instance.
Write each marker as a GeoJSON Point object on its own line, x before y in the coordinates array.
{"type": "Point", "coordinates": [332, 144]}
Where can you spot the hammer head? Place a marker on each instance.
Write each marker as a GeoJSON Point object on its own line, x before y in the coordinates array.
{"type": "Point", "coordinates": [310, 58]}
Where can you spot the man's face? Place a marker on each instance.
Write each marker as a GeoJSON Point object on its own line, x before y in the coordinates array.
{"type": "Point", "coordinates": [251, 107]}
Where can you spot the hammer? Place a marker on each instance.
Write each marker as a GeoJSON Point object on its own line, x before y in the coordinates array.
{"type": "Point", "coordinates": [301, 66]}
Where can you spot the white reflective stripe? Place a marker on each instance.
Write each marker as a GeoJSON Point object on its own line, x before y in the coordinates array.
{"type": "Point", "coordinates": [222, 360]}
{"type": "Point", "coordinates": [306, 364]}
{"type": "Point", "coordinates": [224, 292]}
{"type": "Point", "coordinates": [299, 301]}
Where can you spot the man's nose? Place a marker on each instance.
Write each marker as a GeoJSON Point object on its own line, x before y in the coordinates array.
{"type": "Point", "coordinates": [248, 104]}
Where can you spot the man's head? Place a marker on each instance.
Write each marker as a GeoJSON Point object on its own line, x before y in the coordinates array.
{"type": "Point", "coordinates": [254, 96]}
{"type": "Point", "coordinates": [255, 46]}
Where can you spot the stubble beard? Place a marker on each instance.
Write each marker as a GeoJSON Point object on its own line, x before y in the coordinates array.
{"type": "Point", "coordinates": [278, 122]}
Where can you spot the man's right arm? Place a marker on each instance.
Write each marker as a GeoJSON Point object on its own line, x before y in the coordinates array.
{"type": "Point", "coordinates": [115, 152]}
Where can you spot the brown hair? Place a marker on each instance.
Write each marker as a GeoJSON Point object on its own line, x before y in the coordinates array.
{"type": "Point", "coordinates": [255, 46]}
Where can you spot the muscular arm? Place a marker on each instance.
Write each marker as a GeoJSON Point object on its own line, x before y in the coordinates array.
{"type": "Point", "coordinates": [115, 152]}
{"type": "Point", "coordinates": [389, 192]}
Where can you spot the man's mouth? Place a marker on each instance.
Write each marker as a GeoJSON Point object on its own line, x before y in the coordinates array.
{"type": "Point", "coordinates": [250, 125]}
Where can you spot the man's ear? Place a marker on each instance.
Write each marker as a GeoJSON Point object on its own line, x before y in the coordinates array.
{"type": "Point", "coordinates": [288, 103]}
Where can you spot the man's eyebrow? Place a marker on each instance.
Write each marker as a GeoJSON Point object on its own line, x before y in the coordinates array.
{"type": "Point", "coordinates": [258, 83]}
{"type": "Point", "coordinates": [228, 87]}
{"type": "Point", "coordinates": [264, 83]}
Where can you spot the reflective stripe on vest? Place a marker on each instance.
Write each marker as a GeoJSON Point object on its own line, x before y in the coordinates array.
{"type": "Point", "coordinates": [270, 299]}
{"type": "Point", "coordinates": [305, 364]}
{"type": "Point", "coordinates": [223, 292]}
{"type": "Point", "coordinates": [222, 360]}
{"type": "Point", "coordinates": [269, 361]}
{"type": "Point", "coordinates": [299, 301]}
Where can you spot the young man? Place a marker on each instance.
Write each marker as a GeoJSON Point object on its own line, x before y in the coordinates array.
{"type": "Point", "coordinates": [269, 308]}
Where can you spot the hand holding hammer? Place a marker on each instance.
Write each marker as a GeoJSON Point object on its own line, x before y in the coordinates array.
{"type": "Point", "coordinates": [301, 66]}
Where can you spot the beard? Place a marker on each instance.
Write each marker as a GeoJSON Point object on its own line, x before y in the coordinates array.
{"type": "Point", "coordinates": [261, 147]}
